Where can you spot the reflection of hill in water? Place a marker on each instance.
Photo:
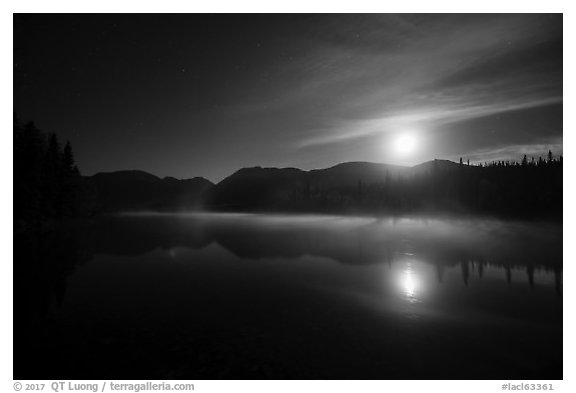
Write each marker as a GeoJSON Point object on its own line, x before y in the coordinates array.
{"type": "Point", "coordinates": [472, 244]}
{"type": "Point", "coordinates": [47, 258]}
{"type": "Point", "coordinates": [346, 240]}
{"type": "Point", "coordinates": [136, 235]}
{"type": "Point", "coordinates": [44, 260]}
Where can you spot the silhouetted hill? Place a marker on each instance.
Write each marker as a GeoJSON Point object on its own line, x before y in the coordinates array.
{"type": "Point", "coordinates": [350, 173]}
{"type": "Point", "coordinates": [139, 190]}
{"type": "Point", "coordinates": [279, 188]}
{"type": "Point", "coordinates": [256, 188]}
{"type": "Point", "coordinates": [427, 167]}
{"type": "Point", "coordinates": [500, 188]}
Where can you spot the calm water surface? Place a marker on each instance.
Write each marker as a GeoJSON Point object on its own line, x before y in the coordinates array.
{"type": "Point", "coordinates": [234, 296]}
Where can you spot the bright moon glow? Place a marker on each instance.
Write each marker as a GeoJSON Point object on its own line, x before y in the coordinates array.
{"type": "Point", "coordinates": [409, 284]}
{"type": "Point", "coordinates": [405, 144]}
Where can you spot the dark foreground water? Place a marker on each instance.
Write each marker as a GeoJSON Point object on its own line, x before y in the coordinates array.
{"type": "Point", "coordinates": [223, 296]}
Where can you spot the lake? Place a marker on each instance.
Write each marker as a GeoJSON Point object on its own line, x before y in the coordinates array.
{"type": "Point", "coordinates": [241, 296]}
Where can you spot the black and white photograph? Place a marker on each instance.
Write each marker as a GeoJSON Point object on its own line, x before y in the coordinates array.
{"type": "Point", "coordinates": [288, 196]}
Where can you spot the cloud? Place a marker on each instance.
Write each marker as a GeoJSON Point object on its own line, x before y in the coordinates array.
{"type": "Point", "coordinates": [422, 118]}
{"type": "Point", "coordinates": [515, 152]}
{"type": "Point", "coordinates": [381, 74]}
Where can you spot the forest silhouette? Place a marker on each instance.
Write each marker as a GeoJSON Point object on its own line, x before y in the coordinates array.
{"type": "Point", "coordinates": [53, 240]}
{"type": "Point", "coordinates": [46, 264]}
{"type": "Point", "coordinates": [47, 182]}
{"type": "Point", "coordinates": [48, 186]}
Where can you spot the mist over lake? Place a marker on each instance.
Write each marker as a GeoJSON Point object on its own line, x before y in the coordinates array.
{"type": "Point", "coordinates": [288, 196]}
{"type": "Point", "coordinates": [247, 296]}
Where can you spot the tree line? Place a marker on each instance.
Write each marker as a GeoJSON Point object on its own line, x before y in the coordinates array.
{"type": "Point", "coordinates": [47, 183]}
{"type": "Point", "coordinates": [531, 188]}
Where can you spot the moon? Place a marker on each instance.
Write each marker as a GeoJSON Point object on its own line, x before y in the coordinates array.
{"type": "Point", "coordinates": [405, 144]}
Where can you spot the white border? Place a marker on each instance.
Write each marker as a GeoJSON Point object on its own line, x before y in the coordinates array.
{"type": "Point", "coordinates": [231, 6]}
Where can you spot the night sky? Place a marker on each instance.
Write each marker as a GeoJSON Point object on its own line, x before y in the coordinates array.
{"type": "Point", "coordinates": [204, 95]}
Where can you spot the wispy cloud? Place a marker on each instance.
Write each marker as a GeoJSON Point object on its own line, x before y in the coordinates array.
{"type": "Point", "coordinates": [515, 152]}
{"type": "Point", "coordinates": [422, 118]}
{"type": "Point", "coordinates": [391, 73]}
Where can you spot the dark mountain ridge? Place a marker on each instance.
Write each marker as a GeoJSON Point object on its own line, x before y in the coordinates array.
{"type": "Point", "coordinates": [503, 188]}
{"type": "Point", "coordinates": [138, 190]}
{"type": "Point", "coordinates": [334, 189]}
